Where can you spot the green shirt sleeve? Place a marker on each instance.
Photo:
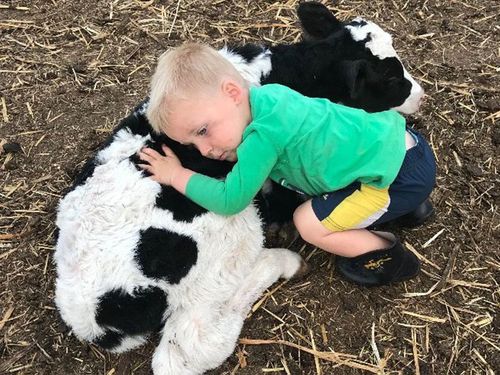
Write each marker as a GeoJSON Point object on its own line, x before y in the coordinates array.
{"type": "Point", "coordinates": [256, 158]}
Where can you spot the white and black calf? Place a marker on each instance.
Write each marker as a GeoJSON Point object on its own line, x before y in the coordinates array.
{"type": "Point", "coordinates": [353, 63]}
{"type": "Point", "coordinates": [135, 257]}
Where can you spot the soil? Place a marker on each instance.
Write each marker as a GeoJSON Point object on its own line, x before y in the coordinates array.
{"type": "Point", "coordinates": [69, 70]}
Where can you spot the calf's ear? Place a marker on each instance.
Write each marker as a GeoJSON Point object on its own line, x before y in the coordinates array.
{"type": "Point", "coordinates": [317, 21]}
{"type": "Point", "coordinates": [392, 68]}
{"type": "Point", "coordinates": [355, 74]}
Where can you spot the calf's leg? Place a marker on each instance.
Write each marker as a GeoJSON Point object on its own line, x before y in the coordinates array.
{"type": "Point", "coordinates": [271, 265]}
{"type": "Point", "coordinates": [204, 336]}
{"type": "Point", "coordinates": [197, 340]}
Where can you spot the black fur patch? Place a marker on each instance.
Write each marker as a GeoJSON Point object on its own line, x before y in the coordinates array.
{"type": "Point", "coordinates": [248, 51]}
{"type": "Point", "coordinates": [317, 21]}
{"type": "Point", "coordinates": [162, 254]}
{"type": "Point", "coordinates": [359, 23]}
{"type": "Point", "coordinates": [137, 314]}
{"type": "Point", "coordinates": [138, 123]}
{"type": "Point", "coordinates": [182, 207]}
{"type": "Point", "coordinates": [109, 340]}
{"type": "Point", "coordinates": [318, 69]}
{"type": "Point", "coordinates": [278, 205]}
{"type": "Point", "coordinates": [86, 171]}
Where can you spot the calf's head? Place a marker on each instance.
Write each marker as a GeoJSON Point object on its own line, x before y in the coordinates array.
{"type": "Point", "coordinates": [366, 63]}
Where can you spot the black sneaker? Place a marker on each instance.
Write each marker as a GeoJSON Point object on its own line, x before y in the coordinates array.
{"type": "Point", "coordinates": [380, 267]}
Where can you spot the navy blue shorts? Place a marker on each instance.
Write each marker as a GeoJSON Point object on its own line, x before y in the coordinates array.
{"type": "Point", "coordinates": [412, 186]}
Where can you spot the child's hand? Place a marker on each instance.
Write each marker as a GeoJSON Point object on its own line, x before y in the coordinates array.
{"type": "Point", "coordinates": [163, 169]}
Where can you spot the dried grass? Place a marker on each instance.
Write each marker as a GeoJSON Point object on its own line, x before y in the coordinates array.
{"type": "Point", "coordinates": [69, 71]}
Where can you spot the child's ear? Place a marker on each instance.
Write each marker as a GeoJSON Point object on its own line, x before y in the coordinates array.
{"type": "Point", "coordinates": [232, 89]}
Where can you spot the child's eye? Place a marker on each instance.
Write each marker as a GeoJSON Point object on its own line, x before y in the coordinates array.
{"type": "Point", "coordinates": [202, 131]}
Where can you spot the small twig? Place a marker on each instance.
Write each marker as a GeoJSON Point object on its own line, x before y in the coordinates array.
{"type": "Point", "coordinates": [6, 316]}
{"type": "Point", "coordinates": [340, 358]}
{"type": "Point", "coordinates": [374, 345]}
{"type": "Point", "coordinates": [175, 18]}
{"type": "Point", "coordinates": [415, 351]}
{"type": "Point", "coordinates": [316, 358]}
{"type": "Point", "coordinates": [425, 318]}
{"type": "Point", "coordinates": [431, 240]}
{"type": "Point", "coordinates": [444, 279]}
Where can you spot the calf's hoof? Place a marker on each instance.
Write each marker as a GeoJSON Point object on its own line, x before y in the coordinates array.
{"type": "Point", "coordinates": [303, 270]}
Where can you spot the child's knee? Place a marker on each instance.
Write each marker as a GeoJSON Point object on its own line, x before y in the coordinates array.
{"type": "Point", "coordinates": [297, 218]}
{"type": "Point", "coordinates": [304, 220]}
{"type": "Point", "coordinates": [300, 221]}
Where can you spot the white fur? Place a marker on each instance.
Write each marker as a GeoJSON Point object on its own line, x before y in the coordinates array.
{"type": "Point", "coordinates": [380, 45]}
{"type": "Point", "coordinates": [412, 103]}
{"type": "Point", "coordinates": [252, 72]}
{"type": "Point", "coordinates": [99, 225]}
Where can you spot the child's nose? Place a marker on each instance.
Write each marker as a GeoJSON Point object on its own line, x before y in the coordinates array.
{"type": "Point", "coordinates": [205, 149]}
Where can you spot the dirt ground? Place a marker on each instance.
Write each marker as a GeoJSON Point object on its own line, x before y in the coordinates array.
{"type": "Point", "coordinates": [69, 70]}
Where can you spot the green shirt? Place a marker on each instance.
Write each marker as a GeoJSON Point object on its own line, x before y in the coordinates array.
{"type": "Point", "coordinates": [310, 144]}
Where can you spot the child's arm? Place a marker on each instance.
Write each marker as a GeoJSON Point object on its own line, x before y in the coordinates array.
{"type": "Point", "coordinates": [166, 170]}
{"type": "Point", "coordinates": [256, 159]}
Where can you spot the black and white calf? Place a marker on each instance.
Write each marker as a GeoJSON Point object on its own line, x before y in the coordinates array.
{"type": "Point", "coordinates": [354, 63]}
{"type": "Point", "coordinates": [134, 257]}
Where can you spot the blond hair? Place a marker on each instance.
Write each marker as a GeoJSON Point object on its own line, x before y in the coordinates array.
{"type": "Point", "coordinates": [184, 71]}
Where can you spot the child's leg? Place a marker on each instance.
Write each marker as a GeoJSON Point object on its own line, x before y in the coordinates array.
{"type": "Point", "coordinates": [334, 221]}
{"type": "Point", "coordinates": [348, 243]}
{"type": "Point", "coordinates": [363, 257]}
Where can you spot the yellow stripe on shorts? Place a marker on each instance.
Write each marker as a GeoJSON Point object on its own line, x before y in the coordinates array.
{"type": "Point", "coordinates": [359, 210]}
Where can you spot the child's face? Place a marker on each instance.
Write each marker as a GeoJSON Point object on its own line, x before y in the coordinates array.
{"type": "Point", "coordinates": [213, 124]}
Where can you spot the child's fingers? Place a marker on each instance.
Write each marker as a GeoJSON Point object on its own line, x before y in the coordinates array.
{"type": "Point", "coordinates": [149, 152]}
{"type": "Point", "coordinates": [145, 157]}
{"type": "Point", "coordinates": [149, 155]}
{"type": "Point", "coordinates": [169, 153]}
{"type": "Point", "coordinates": [146, 167]}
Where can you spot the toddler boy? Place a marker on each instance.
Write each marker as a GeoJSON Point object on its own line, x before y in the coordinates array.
{"type": "Point", "coordinates": [361, 169]}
